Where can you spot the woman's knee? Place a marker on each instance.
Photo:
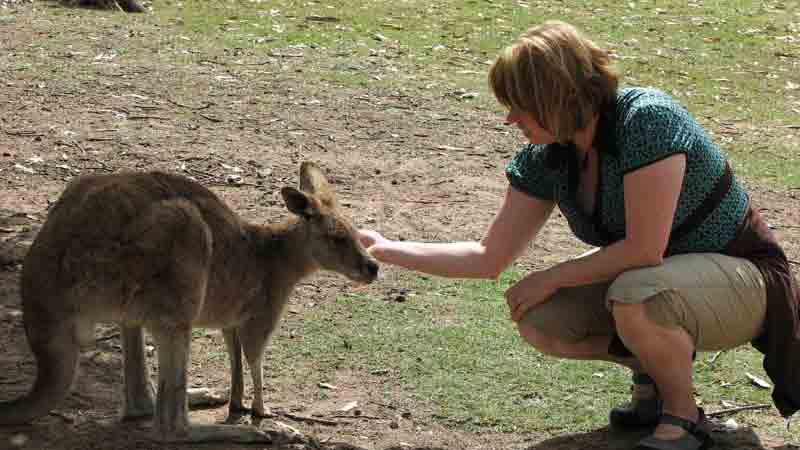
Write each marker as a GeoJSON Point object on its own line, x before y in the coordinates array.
{"type": "Point", "coordinates": [549, 344]}
{"type": "Point", "coordinates": [662, 310]}
{"type": "Point", "coordinates": [540, 341]}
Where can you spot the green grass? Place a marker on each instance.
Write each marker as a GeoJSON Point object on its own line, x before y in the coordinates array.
{"type": "Point", "coordinates": [731, 62]}
{"type": "Point", "coordinates": [452, 348]}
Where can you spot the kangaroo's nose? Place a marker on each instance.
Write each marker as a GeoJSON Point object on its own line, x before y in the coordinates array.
{"type": "Point", "coordinates": [372, 269]}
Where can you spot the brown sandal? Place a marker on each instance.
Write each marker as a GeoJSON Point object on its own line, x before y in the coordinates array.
{"type": "Point", "coordinates": [696, 437]}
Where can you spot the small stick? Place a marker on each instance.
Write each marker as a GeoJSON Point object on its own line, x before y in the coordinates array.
{"type": "Point", "coordinates": [22, 133]}
{"type": "Point", "coordinates": [310, 419]}
{"type": "Point", "coordinates": [148, 117]}
{"type": "Point", "coordinates": [394, 408]}
{"type": "Point", "coordinates": [345, 416]}
{"type": "Point", "coordinates": [212, 119]}
{"type": "Point", "coordinates": [196, 108]}
{"type": "Point", "coordinates": [722, 412]}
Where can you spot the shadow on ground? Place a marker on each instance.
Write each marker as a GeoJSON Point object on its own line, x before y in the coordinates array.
{"type": "Point", "coordinates": [741, 439]}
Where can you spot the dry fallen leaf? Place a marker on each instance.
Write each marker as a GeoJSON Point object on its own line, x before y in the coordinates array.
{"type": "Point", "coordinates": [758, 381]}
{"type": "Point", "coordinates": [348, 406]}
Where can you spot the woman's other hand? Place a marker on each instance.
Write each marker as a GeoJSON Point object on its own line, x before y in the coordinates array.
{"type": "Point", "coordinates": [534, 289]}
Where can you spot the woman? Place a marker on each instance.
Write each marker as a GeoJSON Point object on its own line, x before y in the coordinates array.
{"type": "Point", "coordinates": [684, 262]}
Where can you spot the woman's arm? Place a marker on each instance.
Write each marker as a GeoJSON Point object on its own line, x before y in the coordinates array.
{"type": "Point", "coordinates": [517, 222]}
{"type": "Point", "coordinates": [651, 198]}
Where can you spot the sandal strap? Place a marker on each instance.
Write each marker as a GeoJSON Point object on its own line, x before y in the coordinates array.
{"type": "Point", "coordinates": [687, 425]}
{"type": "Point", "coordinates": [696, 437]}
{"type": "Point", "coordinates": [693, 428]}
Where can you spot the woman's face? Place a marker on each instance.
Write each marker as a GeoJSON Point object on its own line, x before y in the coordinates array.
{"type": "Point", "coordinates": [533, 132]}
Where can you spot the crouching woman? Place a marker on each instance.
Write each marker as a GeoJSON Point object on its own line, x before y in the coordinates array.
{"type": "Point", "coordinates": [684, 264]}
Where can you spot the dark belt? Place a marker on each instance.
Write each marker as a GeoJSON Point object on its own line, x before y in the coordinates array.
{"type": "Point", "coordinates": [705, 208]}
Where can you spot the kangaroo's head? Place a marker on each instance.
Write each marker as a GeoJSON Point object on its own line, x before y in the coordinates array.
{"type": "Point", "coordinates": [332, 241]}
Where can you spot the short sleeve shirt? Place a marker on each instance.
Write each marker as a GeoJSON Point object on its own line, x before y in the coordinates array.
{"type": "Point", "coordinates": [642, 127]}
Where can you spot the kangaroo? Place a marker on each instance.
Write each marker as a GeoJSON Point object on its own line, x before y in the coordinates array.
{"type": "Point", "coordinates": [160, 251]}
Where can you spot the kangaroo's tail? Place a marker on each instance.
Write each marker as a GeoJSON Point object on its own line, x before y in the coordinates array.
{"type": "Point", "coordinates": [56, 348]}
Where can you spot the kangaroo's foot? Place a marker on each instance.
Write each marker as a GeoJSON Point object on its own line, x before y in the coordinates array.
{"type": "Point", "coordinates": [262, 412]}
{"type": "Point", "coordinates": [142, 408]}
{"type": "Point", "coordinates": [238, 415]}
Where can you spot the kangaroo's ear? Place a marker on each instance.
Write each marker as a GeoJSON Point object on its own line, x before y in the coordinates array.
{"type": "Point", "coordinates": [300, 203]}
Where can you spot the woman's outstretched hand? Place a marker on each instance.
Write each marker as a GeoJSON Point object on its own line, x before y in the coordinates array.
{"type": "Point", "coordinates": [372, 241]}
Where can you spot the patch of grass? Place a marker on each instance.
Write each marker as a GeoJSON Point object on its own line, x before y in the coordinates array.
{"type": "Point", "coordinates": [733, 64]}
{"type": "Point", "coordinates": [452, 348]}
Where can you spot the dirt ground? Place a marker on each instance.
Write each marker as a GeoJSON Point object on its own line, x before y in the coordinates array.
{"type": "Point", "coordinates": [415, 164]}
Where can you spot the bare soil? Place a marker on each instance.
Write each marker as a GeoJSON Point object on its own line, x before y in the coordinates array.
{"type": "Point", "coordinates": [412, 163]}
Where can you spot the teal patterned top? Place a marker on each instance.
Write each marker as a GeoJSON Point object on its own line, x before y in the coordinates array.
{"type": "Point", "coordinates": [643, 127]}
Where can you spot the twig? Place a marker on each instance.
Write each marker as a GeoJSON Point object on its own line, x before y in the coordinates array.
{"type": "Point", "coordinates": [196, 108]}
{"type": "Point", "coordinates": [226, 184]}
{"type": "Point", "coordinates": [393, 408]}
{"type": "Point", "coordinates": [148, 117]}
{"type": "Point", "coordinates": [346, 416]}
{"type": "Point", "coordinates": [723, 412]}
{"type": "Point", "coordinates": [310, 419]}
{"type": "Point", "coordinates": [714, 358]}
{"type": "Point", "coordinates": [200, 172]}
{"type": "Point", "coordinates": [436, 183]}
{"type": "Point", "coordinates": [212, 119]}
{"type": "Point", "coordinates": [434, 202]}
{"type": "Point", "coordinates": [212, 62]}
{"type": "Point", "coordinates": [77, 145]}
{"type": "Point", "coordinates": [286, 55]}
{"type": "Point", "coordinates": [22, 133]}
{"type": "Point", "coordinates": [764, 150]}
{"type": "Point", "coordinates": [797, 263]}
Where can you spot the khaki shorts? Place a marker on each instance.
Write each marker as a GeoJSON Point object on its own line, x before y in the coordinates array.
{"type": "Point", "coordinates": [719, 300]}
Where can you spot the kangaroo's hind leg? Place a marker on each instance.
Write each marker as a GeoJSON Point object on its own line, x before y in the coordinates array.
{"type": "Point", "coordinates": [172, 414]}
{"type": "Point", "coordinates": [139, 393]}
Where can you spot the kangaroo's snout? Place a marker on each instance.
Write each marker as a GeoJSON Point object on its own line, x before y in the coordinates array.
{"type": "Point", "coordinates": [370, 270]}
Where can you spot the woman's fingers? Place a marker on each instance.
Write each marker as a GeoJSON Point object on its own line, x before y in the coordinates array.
{"type": "Point", "coordinates": [368, 238]}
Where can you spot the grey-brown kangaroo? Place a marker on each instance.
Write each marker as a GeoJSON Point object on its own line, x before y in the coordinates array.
{"type": "Point", "coordinates": [160, 251]}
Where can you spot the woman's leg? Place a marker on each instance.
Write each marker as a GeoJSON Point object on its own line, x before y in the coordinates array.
{"type": "Point", "coordinates": [671, 370]}
{"type": "Point", "coordinates": [574, 324]}
{"type": "Point", "coordinates": [695, 301]}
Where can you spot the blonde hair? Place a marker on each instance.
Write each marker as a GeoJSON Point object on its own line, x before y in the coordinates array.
{"type": "Point", "coordinates": [555, 74]}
